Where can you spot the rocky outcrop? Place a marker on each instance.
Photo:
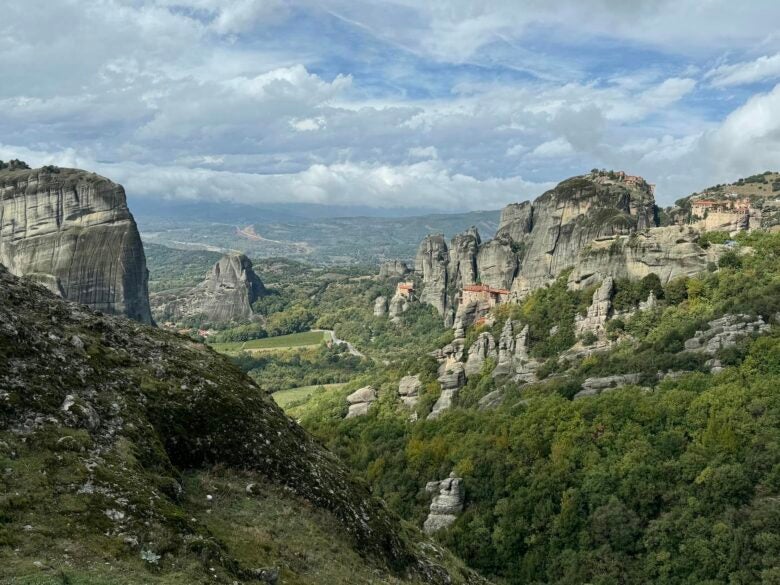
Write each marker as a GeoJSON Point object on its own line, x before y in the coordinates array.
{"type": "Point", "coordinates": [380, 307]}
{"type": "Point", "coordinates": [447, 503]}
{"type": "Point", "coordinates": [669, 252]}
{"type": "Point", "coordinates": [482, 349]}
{"type": "Point", "coordinates": [360, 401]}
{"type": "Point", "coordinates": [513, 358]}
{"type": "Point", "coordinates": [650, 304]}
{"type": "Point", "coordinates": [566, 219]}
{"type": "Point", "coordinates": [725, 332]}
{"type": "Point", "coordinates": [398, 304]}
{"type": "Point", "coordinates": [462, 269]}
{"type": "Point", "coordinates": [598, 312]}
{"type": "Point", "coordinates": [409, 390]}
{"type": "Point", "coordinates": [594, 386]}
{"type": "Point", "coordinates": [393, 269]}
{"type": "Point", "coordinates": [516, 221]}
{"type": "Point", "coordinates": [71, 231]}
{"type": "Point", "coordinates": [452, 379]}
{"type": "Point", "coordinates": [497, 264]}
{"type": "Point", "coordinates": [224, 297]}
{"type": "Point", "coordinates": [466, 315]}
{"type": "Point", "coordinates": [431, 264]}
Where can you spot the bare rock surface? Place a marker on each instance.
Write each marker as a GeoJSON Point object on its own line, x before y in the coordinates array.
{"type": "Point", "coordinates": [447, 503]}
{"type": "Point", "coordinates": [393, 269]}
{"type": "Point", "coordinates": [598, 312]}
{"type": "Point", "coordinates": [594, 386]}
{"type": "Point", "coordinates": [360, 401]}
{"type": "Point", "coordinates": [482, 349]}
{"type": "Point", "coordinates": [431, 264]}
{"type": "Point", "coordinates": [225, 295]}
{"type": "Point", "coordinates": [71, 231]}
{"type": "Point", "coordinates": [409, 390]}
{"type": "Point", "coordinates": [380, 307]}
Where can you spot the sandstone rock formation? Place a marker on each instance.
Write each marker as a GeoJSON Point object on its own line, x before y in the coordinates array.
{"type": "Point", "coordinates": [598, 312]}
{"type": "Point", "coordinates": [497, 264]}
{"type": "Point", "coordinates": [380, 307]}
{"type": "Point", "coordinates": [447, 503]}
{"type": "Point", "coordinates": [725, 332]}
{"type": "Point", "coordinates": [594, 386]}
{"type": "Point", "coordinates": [71, 231]}
{"type": "Point", "coordinates": [462, 269]}
{"type": "Point", "coordinates": [452, 379]}
{"type": "Point", "coordinates": [482, 349]}
{"type": "Point", "coordinates": [409, 390]}
{"type": "Point", "coordinates": [393, 269]}
{"type": "Point", "coordinates": [360, 401]}
{"type": "Point", "coordinates": [668, 252]}
{"type": "Point", "coordinates": [516, 221]}
{"type": "Point", "coordinates": [225, 296]}
{"type": "Point", "coordinates": [569, 217]}
{"type": "Point", "coordinates": [431, 264]}
{"type": "Point", "coordinates": [513, 358]}
{"type": "Point", "coordinates": [398, 304]}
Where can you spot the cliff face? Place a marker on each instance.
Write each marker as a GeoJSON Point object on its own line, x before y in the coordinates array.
{"type": "Point", "coordinates": [71, 231]}
{"type": "Point", "coordinates": [537, 241]}
{"type": "Point", "coordinates": [569, 217]}
{"type": "Point", "coordinates": [431, 263]}
{"type": "Point", "coordinates": [225, 296]}
{"type": "Point", "coordinates": [463, 258]}
{"type": "Point", "coordinates": [668, 252]}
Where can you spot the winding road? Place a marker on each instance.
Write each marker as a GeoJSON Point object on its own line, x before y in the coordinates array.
{"type": "Point", "coordinates": [336, 341]}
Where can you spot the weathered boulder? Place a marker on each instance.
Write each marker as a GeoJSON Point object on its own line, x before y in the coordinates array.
{"type": "Point", "coordinates": [447, 503]}
{"type": "Point", "coordinates": [431, 264]}
{"type": "Point", "coordinates": [482, 349]}
{"type": "Point", "coordinates": [724, 332]}
{"type": "Point", "coordinates": [393, 269]}
{"type": "Point", "coordinates": [225, 296]}
{"type": "Point", "coordinates": [71, 231]}
{"type": "Point", "coordinates": [360, 401]}
{"type": "Point", "coordinates": [380, 306]}
{"type": "Point", "coordinates": [497, 264]}
{"type": "Point", "coordinates": [409, 390]}
{"type": "Point", "coordinates": [598, 312]}
{"type": "Point", "coordinates": [594, 386]}
{"type": "Point", "coordinates": [669, 252]}
{"type": "Point", "coordinates": [466, 315]}
{"type": "Point", "coordinates": [462, 269]}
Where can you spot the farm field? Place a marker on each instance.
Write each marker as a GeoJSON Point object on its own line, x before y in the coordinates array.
{"type": "Point", "coordinates": [307, 338]}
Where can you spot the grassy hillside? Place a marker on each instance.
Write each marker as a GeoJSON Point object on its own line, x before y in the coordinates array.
{"type": "Point", "coordinates": [667, 481]}
{"type": "Point", "coordinates": [134, 455]}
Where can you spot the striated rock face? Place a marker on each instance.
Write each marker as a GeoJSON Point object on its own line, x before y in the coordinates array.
{"type": "Point", "coordinates": [462, 269]}
{"type": "Point", "coordinates": [225, 296]}
{"type": "Point", "coordinates": [431, 264]}
{"type": "Point", "coordinates": [482, 349]}
{"type": "Point", "coordinates": [360, 401]}
{"type": "Point", "coordinates": [71, 231]}
{"type": "Point", "coordinates": [393, 269]}
{"type": "Point", "coordinates": [598, 312]}
{"type": "Point", "coordinates": [380, 307]}
{"type": "Point", "coordinates": [497, 264]}
{"type": "Point", "coordinates": [569, 217]}
{"type": "Point", "coordinates": [668, 252]}
{"type": "Point", "coordinates": [447, 503]}
{"type": "Point", "coordinates": [516, 221]}
{"type": "Point", "coordinates": [409, 390]}
{"type": "Point", "coordinates": [513, 358]}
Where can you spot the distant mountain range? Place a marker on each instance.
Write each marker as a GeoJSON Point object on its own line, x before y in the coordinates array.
{"type": "Point", "coordinates": [314, 233]}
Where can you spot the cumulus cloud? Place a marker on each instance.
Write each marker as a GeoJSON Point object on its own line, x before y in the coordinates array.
{"type": "Point", "coordinates": [766, 67]}
{"type": "Point", "coordinates": [457, 104]}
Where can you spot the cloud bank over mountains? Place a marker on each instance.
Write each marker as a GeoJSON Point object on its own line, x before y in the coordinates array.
{"type": "Point", "coordinates": [450, 105]}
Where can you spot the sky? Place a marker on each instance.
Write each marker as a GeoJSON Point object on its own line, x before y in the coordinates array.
{"type": "Point", "coordinates": [447, 105]}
